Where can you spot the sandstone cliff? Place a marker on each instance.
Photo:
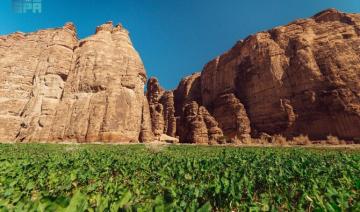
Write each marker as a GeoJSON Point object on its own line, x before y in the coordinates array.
{"type": "Point", "coordinates": [162, 109]}
{"type": "Point", "coordinates": [56, 87]}
{"type": "Point", "coordinates": [302, 78]}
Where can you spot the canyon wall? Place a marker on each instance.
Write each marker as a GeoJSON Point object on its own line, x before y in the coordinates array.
{"type": "Point", "coordinates": [302, 78]}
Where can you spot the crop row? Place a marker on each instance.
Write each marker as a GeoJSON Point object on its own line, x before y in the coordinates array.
{"type": "Point", "coordinates": [37, 177]}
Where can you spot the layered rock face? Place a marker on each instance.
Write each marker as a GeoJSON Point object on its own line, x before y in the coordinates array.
{"type": "Point", "coordinates": [178, 113]}
{"type": "Point", "coordinates": [162, 109]}
{"type": "Point", "coordinates": [198, 126]}
{"type": "Point", "coordinates": [55, 87]}
{"type": "Point", "coordinates": [194, 122]}
{"type": "Point", "coordinates": [302, 78]}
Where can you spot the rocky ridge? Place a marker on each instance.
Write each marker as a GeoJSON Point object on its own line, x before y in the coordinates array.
{"type": "Point", "coordinates": [301, 78]}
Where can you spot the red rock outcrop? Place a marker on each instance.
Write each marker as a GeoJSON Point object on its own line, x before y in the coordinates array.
{"type": "Point", "coordinates": [198, 126]}
{"type": "Point", "coordinates": [194, 122]}
{"type": "Point", "coordinates": [302, 78]}
{"type": "Point", "coordinates": [154, 93]}
{"type": "Point", "coordinates": [177, 113]}
{"type": "Point", "coordinates": [167, 100]}
{"type": "Point", "coordinates": [188, 90]}
{"type": "Point", "coordinates": [162, 109]}
{"type": "Point", "coordinates": [55, 87]}
{"type": "Point", "coordinates": [146, 132]}
{"type": "Point", "coordinates": [232, 117]}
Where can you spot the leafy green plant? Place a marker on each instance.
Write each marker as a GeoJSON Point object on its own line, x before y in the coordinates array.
{"type": "Point", "coordinates": [46, 177]}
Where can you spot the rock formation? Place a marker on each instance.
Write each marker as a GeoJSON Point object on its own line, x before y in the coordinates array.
{"type": "Point", "coordinates": [154, 93]}
{"type": "Point", "coordinates": [302, 78]}
{"type": "Point", "coordinates": [56, 87]}
{"type": "Point", "coordinates": [167, 100]}
{"type": "Point", "coordinates": [198, 126]}
{"type": "Point", "coordinates": [194, 122]}
{"type": "Point", "coordinates": [232, 117]}
{"type": "Point", "coordinates": [162, 109]}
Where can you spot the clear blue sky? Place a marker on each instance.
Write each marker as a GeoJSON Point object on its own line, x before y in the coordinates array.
{"type": "Point", "coordinates": [174, 37]}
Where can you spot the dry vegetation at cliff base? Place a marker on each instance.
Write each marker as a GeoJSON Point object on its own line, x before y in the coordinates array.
{"type": "Point", "coordinates": [44, 177]}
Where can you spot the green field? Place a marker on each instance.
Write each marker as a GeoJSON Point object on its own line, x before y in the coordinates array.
{"type": "Point", "coordinates": [36, 177]}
